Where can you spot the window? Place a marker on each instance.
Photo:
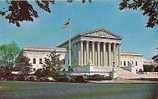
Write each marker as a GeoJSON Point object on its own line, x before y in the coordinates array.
{"type": "Point", "coordinates": [40, 61]}
{"type": "Point", "coordinates": [124, 63]}
{"type": "Point", "coordinates": [34, 60]}
{"type": "Point", "coordinates": [136, 63]}
{"type": "Point", "coordinates": [34, 69]}
{"type": "Point", "coordinates": [130, 63]}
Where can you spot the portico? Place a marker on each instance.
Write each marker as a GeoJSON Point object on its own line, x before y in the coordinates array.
{"type": "Point", "coordinates": [95, 48]}
{"type": "Point", "coordinates": [98, 53]}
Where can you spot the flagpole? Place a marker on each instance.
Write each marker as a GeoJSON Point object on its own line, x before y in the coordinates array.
{"type": "Point", "coordinates": [68, 30]}
{"type": "Point", "coordinates": [69, 44]}
{"type": "Point", "coordinates": [69, 50]}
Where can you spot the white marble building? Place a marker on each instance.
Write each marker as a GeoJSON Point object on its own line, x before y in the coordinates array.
{"type": "Point", "coordinates": [37, 55]}
{"type": "Point", "coordinates": [95, 51]}
{"type": "Point", "coordinates": [131, 61]}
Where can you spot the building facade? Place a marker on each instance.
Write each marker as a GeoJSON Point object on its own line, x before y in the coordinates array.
{"type": "Point", "coordinates": [149, 65]}
{"type": "Point", "coordinates": [155, 58]}
{"type": "Point", "coordinates": [131, 61]}
{"type": "Point", "coordinates": [94, 52]}
{"type": "Point", "coordinates": [98, 48]}
{"type": "Point", "coordinates": [37, 55]}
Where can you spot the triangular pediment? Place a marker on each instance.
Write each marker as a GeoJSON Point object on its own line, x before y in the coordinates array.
{"type": "Point", "coordinates": [101, 33]}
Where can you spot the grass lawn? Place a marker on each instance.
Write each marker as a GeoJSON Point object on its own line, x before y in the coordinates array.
{"type": "Point", "coordinates": [53, 90]}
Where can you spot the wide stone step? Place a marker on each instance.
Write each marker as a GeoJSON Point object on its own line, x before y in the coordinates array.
{"type": "Point", "coordinates": [125, 74]}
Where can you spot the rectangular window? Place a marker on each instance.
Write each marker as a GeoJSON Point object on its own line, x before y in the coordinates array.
{"type": "Point", "coordinates": [40, 61]}
{"type": "Point", "coordinates": [129, 64]}
{"type": "Point", "coordinates": [34, 60]}
{"type": "Point", "coordinates": [124, 63]}
{"type": "Point", "coordinates": [136, 63]}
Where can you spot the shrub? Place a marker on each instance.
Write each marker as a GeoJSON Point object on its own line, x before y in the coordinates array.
{"type": "Point", "coordinates": [99, 77]}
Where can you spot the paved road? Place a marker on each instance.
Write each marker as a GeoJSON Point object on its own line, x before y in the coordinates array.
{"type": "Point", "coordinates": [45, 90]}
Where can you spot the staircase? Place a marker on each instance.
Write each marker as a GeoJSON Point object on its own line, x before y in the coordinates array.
{"type": "Point", "coordinates": [125, 74]}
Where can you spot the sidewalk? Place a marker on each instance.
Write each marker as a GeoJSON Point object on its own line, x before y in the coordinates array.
{"type": "Point", "coordinates": [124, 82]}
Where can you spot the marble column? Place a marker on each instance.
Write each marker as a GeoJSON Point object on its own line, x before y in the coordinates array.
{"type": "Point", "coordinates": [118, 55]}
{"type": "Point", "coordinates": [109, 54]}
{"type": "Point", "coordinates": [93, 52]}
{"type": "Point", "coordinates": [90, 53]}
{"type": "Point", "coordinates": [81, 53]}
{"type": "Point", "coordinates": [84, 53]}
{"type": "Point", "coordinates": [104, 55]}
{"type": "Point", "coordinates": [87, 52]}
{"type": "Point", "coordinates": [114, 53]}
{"type": "Point", "coordinates": [101, 55]}
{"type": "Point", "coordinates": [98, 52]}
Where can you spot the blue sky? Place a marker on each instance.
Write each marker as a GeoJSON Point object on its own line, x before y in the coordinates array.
{"type": "Point", "coordinates": [47, 29]}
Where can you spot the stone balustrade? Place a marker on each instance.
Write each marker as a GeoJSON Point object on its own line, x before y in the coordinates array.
{"type": "Point", "coordinates": [92, 70]}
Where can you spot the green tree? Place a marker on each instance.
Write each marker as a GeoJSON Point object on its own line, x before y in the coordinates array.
{"type": "Point", "coordinates": [8, 54]}
{"type": "Point", "coordinates": [148, 7]}
{"type": "Point", "coordinates": [23, 10]}
{"type": "Point", "coordinates": [22, 64]}
{"type": "Point", "coordinates": [19, 11]}
{"type": "Point", "coordinates": [51, 66]}
{"type": "Point", "coordinates": [52, 63]}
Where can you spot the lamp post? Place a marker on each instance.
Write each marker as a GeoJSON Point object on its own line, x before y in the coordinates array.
{"type": "Point", "coordinates": [113, 73]}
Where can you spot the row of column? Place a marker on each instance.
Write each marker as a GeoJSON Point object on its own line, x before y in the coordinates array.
{"type": "Point", "coordinates": [93, 53]}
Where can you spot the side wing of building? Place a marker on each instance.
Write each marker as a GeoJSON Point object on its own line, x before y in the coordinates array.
{"type": "Point", "coordinates": [131, 60]}
{"type": "Point", "coordinates": [37, 55]}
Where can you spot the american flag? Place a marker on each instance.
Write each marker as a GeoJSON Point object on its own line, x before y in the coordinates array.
{"type": "Point", "coordinates": [67, 23]}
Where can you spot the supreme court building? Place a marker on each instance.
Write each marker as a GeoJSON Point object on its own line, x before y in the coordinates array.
{"type": "Point", "coordinates": [98, 48]}
{"type": "Point", "coordinates": [94, 52]}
